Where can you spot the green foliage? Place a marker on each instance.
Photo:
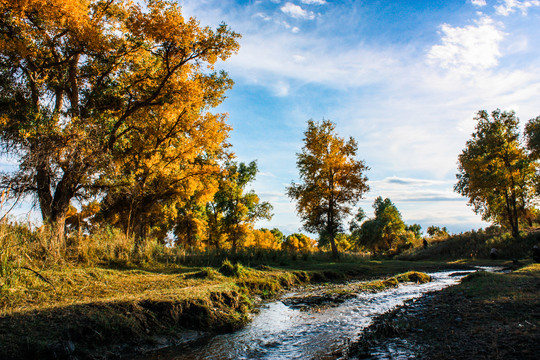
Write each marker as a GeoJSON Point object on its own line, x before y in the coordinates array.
{"type": "Point", "coordinates": [386, 231]}
{"type": "Point", "coordinates": [436, 231]}
{"type": "Point", "coordinates": [278, 234]}
{"type": "Point", "coordinates": [495, 172]}
{"type": "Point", "coordinates": [415, 229]}
{"type": "Point", "coordinates": [233, 210]}
{"type": "Point", "coordinates": [532, 135]}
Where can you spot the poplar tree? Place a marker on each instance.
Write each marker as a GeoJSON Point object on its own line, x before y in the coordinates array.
{"type": "Point", "coordinates": [94, 88]}
{"type": "Point", "coordinates": [332, 181]}
{"type": "Point", "coordinates": [495, 172]}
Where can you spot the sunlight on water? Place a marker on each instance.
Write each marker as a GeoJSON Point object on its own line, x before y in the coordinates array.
{"type": "Point", "coordinates": [280, 332]}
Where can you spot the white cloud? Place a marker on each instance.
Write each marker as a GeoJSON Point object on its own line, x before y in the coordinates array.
{"type": "Point", "coordinates": [263, 16]}
{"type": "Point", "coordinates": [314, 2]}
{"type": "Point", "coordinates": [479, 2]}
{"type": "Point", "coordinates": [284, 24]}
{"type": "Point", "coordinates": [297, 12]}
{"type": "Point", "coordinates": [295, 30]}
{"type": "Point", "coordinates": [425, 202]}
{"type": "Point", "coordinates": [410, 120]}
{"type": "Point", "coordinates": [262, 57]}
{"type": "Point", "coordinates": [510, 6]}
{"type": "Point", "coordinates": [299, 58]}
{"type": "Point", "coordinates": [468, 48]}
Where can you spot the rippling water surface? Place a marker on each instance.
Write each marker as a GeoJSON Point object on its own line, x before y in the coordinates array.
{"type": "Point", "coordinates": [280, 332]}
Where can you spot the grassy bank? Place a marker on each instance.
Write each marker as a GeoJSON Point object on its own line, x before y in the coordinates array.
{"type": "Point", "coordinates": [82, 311]}
{"type": "Point", "coordinates": [98, 296]}
{"type": "Point", "coordinates": [477, 245]}
{"type": "Point", "coordinates": [486, 316]}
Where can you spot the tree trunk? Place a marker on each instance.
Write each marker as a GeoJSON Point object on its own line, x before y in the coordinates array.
{"type": "Point", "coordinates": [330, 226]}
{"type": "Point", "coordinates": [515, 226]}
{"type": "Point", "coordinates": [140, 233]}
{"type": "Point", "coordinates": [511, 214]}
{"type": "Point", "coordinates": [58, 227]}
{"type": "Point", "coordinates": [65, 191]}
{"type": "Point", "coordinates": [335, 252]}
{"type": "Point", "coordinates": [234, 239]}
{"type": "Point", "coordinates": [43, 184]}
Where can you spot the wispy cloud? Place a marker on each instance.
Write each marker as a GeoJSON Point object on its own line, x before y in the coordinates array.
{"type": "Point", "coordinates": [305, 59]}
{"type": "Point", "coordinates": [468, 48]}
{"type": "Point", "coordinates": [431, 198]}
{"type": "Point", "coordinates": [410, 106]}
{"type": "Point", "coordinates": [314, 2]}
{"type": "Point", "coordinates": [412, 181]}
{"type": "Point", "coordinates": [263, 16]}
{"type": "Point", "coordinates": [281, 88]}
{"type": "Point", "coordinates": [510, 6]}
{"type": "Point", "coordinates": [297, 11]}
{"type": "Point", "coordinates": [479, 2]}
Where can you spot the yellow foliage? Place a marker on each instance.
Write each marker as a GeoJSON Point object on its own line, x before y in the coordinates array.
{"type": "Point", "coordinates": [262, 239]}
{"type": "Point", "coordinates": [332, 179]}
{"type": "Point", "coordinates": [299, 242]}
{"type": "Point", "coordinates": [111, 94]}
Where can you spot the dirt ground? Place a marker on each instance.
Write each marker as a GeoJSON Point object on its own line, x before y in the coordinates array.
{"type": "Point", "coordinates": [487, 316]}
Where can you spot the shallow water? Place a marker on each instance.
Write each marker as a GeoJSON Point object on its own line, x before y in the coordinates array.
{"type": "Point", "coordinates": [281, 332]}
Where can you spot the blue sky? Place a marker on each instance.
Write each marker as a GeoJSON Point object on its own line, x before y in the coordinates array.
{"type": "Point", "coordinates": [404, 78]}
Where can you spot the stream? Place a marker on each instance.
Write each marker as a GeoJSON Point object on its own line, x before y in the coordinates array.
{"type": "Point", "coordinates": [282, 332]}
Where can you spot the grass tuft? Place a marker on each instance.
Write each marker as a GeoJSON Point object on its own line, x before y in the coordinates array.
{"type": "Point", "coordinates": [230, 270]}
{"type": "Point", "coordinates": [414, 276]}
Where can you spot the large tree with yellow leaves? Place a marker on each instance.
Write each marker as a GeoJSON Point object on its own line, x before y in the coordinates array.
{"type": "Point", "coordinates": [332, 180]}
{"type": "Point", "coordinates": [495, 172]}
{"type": "Point", "coordinates": [97, 91]}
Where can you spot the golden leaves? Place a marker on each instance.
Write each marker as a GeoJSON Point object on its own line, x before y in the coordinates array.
{"type": "Point", "coordinates": [332, 178]}
{"type": "Point", "coordinates": [111, 95]}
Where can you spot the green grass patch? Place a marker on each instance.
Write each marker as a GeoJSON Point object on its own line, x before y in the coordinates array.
{"type": "Point", "coordinates": [228, 269]}
{"type": "Point", "coordinates": [484, 285]}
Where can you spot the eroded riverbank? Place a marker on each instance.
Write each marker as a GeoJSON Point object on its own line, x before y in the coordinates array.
{"type": "Point", "coordinates": [93, 312]}
{"type": "Point", "coordinates": [314, 323]}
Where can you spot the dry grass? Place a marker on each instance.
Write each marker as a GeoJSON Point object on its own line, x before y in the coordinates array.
{"type": "Point", "coordinates": [97, 290]}
{"type": "Point", "coordinates": [80, 285]}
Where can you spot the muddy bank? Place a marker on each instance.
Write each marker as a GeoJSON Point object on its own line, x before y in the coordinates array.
{"type": "Point", "coordinates": [106, 330]}
{"type": "Point", "coordinates": [487, 316]}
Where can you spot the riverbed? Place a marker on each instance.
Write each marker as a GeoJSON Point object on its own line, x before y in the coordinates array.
{"type": "Point", "coordinates": [279, 331]}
